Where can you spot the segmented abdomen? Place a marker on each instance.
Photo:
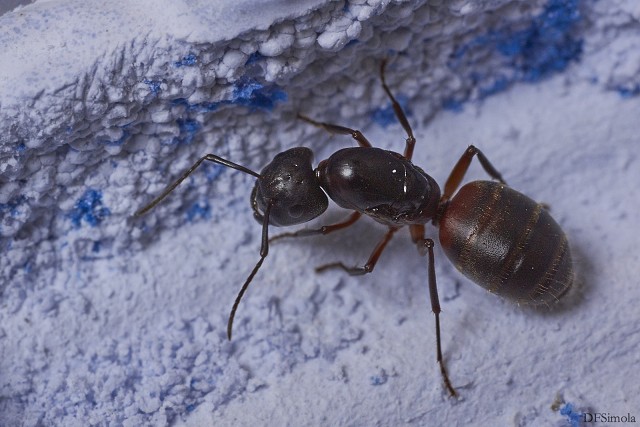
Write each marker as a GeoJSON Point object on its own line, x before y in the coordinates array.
{"type": "Point", "coordinates": [506, 243]}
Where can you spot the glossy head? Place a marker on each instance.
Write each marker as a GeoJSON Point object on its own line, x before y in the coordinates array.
{"type": "Point", "coordinates": [289, 181]}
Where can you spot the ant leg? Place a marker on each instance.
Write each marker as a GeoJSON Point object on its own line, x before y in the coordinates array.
{"type": "Point", "coordinates": [331, 128]}
{"type": "Point", "coordinates": [371, 263]}
{"type": "Point", "coordinates": [170, 188]}
{"type": "Point", "coordinates": [459, 170]}
{"type": "Point", "coordinates": [264, 251]}
{"type": "Point", "coordinates": [402, 117]}
{"type": "Point", "coordinates": [425, 247]}
{"type": "Point", "coordinates": [325, 229]}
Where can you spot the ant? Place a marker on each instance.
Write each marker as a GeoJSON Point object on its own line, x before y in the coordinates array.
{"type": "Point", "coordinates": [497, 237]}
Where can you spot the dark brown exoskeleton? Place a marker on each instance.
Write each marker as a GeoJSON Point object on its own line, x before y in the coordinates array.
{"type": "Point", "coordinates": [497, 237]}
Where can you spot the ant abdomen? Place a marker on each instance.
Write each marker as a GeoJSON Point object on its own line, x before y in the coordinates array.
{"type": "Point", "coordinates": [507, 243]}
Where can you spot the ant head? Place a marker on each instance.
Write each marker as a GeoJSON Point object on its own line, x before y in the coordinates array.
{"type": "Point", "coordinates": [291, 184]}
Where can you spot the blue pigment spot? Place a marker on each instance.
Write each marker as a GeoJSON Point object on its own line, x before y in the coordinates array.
{"type": "Point", "coordinates": [89, 208]}
{"type": "Point", "coordinates": [246, 92]}
{"type": "Point", "coordinates": [201, 107]}
{"type": "Point", "coordinates": [188, 130]}
{"type": "Point", "coordinates": [453, 104]}
{"type": "Point", "coordinates": [352, 42]}
{"type": "Point", "coordinates": [12, 207]}
{"type": "Point", "coordinates": [187, 61]}
{"type": "Point", "coordinates": [385, 116]}
{"type": "Point", "coordinates": [529, 52]}
{"type": "Point", "coordinates": [21, 148]}
{"type": "Point", "coordinates": [377, 380]}
{"type": "Point", "coordinates": [574, 417]}
{"type": "Point", "coordinates": [253, 58]}
{"type": "Point", "coordinates": [154, 85]}
{"type": "Point", "coordinates": [250, 93]}
{"type": "Point", "coordinates": [199, 211]}
{"type": "Point", "coordinates": [629, 91]}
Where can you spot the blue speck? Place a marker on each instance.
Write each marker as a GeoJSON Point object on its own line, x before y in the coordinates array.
{"type": "Point", "coordinates": [96, 246]}
{"type": "Point", "coordinates": [187, 61]}
{"type": "Point", "coordinates": [251, 93]}
{"type": "Point", "coordinates": [629, 91]}
{"type": "Point", "coordinates": [154, 85]}
{"type": "Point", "coordinates": [199, 210]}
{"type": "Point", "coordinates": [253, 58]}
{"type": "Point", "coordinates": [201, 107]}
{"type": "Point", "coordinates": [574, 417]}
{"type": "Point", "coordinates": [453, 104]}
{"type": "Point", "coordinates": [385, 116]}
{"type": "Point", "coordinates": [379, 379]}
{"type": "Point", "coordinates": [190, 408]}
{"type": "Point", "coordinates": [13, 206]}
{"type": "Point", "coordinates": [246, 92]}
{"type": "Point", "coordinates": [89, 208]}
{"type": "Point", "coordinates": [21, 148]}
{"type": "Point", "coordinates": [188, 130]}
{"type": "Point", "coordinates": [352, 42]}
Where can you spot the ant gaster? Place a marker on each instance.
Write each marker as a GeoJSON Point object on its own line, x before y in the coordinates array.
{"type": "Point", "coordinates": [496, 236]}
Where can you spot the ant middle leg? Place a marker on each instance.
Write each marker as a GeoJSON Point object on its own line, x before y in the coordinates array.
{"type": "Point", "coordinates": [341, 130]}
{"type": "Point", "coordinates": [371, 263]}
{"type": "Point", "coordinates": [325, 229]}
{"type": "Point", "coordinates": [460, 169]}
{"type": "Point", "coordinates": [402, 117]}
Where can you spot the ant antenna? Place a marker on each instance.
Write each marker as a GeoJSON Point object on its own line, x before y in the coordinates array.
{"type": "Point", "coordinates": [264, 250]}
{"type": "Point", "coordinates": [208, 157]}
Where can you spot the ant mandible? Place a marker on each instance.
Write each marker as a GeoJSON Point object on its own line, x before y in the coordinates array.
{"type": "Point", "coordinates": [497, 237]}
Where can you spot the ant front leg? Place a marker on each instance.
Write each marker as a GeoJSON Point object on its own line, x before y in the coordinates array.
{"type": "Point", "coordinates": [460, 169]}
{"type": "Point", "coordinates": [425, 247]}
{"type": "Point", "coordinates": [341, 130]}
{"type": "Point", "coordinates": [402, 117]}
{"type": "Point", "coordinates": [371, 263]}
{"type": "Point", "coordinates": [325, 229]}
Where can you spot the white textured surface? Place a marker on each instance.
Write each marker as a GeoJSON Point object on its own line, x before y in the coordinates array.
{"type": "Point", "coordinates": [123, 322]}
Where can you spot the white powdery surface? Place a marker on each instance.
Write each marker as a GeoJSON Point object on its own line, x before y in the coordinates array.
{"type": "Point", "coordinates": [133, 331]}
{"type": "Point", "coordinates": [570, 146]}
